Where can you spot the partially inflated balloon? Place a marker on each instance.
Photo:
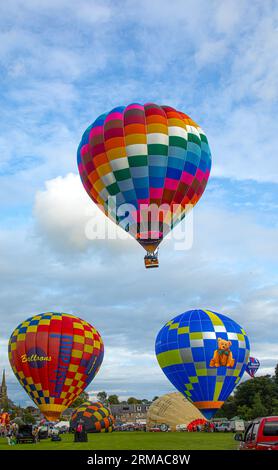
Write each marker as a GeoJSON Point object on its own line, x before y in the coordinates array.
{"type": "Point", "coordinates": [204, 355]}
{"type": "Point", "coordinates": [143, 155]}
{"type": "Point", "coordinates": [171, 409]}
{"type": "Point", "coordinates": [55, 356]}
{"type": "Point", "coordinates": [252, 366]}
{"type": "Point", "coordinates": [94, 416]}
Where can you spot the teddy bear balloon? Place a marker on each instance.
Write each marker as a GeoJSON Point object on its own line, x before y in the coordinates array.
{"type": "Point", "coordinates": [204, 354]}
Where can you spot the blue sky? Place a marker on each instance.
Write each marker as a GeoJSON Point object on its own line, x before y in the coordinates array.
{"type": "Point", "coordinates": [64, 63]}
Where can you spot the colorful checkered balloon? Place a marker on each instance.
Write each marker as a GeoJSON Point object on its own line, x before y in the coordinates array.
{"type": "Point", "coordinates": [55, 356]}
{"type": "Point", "coordinates": [94, 416]}
{"type": "Point", "coordinates": [204, 355]}
{"type": "Point", "coordinates": [143, 155]}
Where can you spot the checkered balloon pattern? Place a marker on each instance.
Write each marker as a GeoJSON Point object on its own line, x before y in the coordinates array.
{"type": "Point", "coordinates": [143, 155]}
{"type": "Point", "coordinates": [94, 416]}
{"type": "Point", "coordinates": [252, 366]}
{"type": "Point", "coordinates": [55, 356]}
{"type": "Point", "coordinates": [185, 348]}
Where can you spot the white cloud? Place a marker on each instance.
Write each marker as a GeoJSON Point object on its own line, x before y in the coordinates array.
{"type": "Point", "coordinates": [68, 219]}
{"type": "Point", "coordinates": [61, 212]}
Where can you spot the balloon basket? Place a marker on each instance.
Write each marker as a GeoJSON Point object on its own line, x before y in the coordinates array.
{"type": "Point", "coordinates": [151, 261]}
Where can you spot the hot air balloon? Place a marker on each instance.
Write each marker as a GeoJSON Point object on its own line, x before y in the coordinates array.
{"type": "Point", "coordinates": [172, 409]}
{"type": "Point", "coordinates": [204, 355]}
{"type": "Point", "coordinates": [252, 366]}
{"type": "Point", "coordinates": [94, 415]}
{"type": "Point", "coordinates": [55, 356]}
{"type": "Point", "coordinates": [145, 166]}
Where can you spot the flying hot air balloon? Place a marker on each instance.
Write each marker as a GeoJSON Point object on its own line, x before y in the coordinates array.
{"type": "Point", "coordinates": [145, 166]}
{"type": "Point", "coordinates": [204, 355]}
{"type": "Point", "coordinates": [252, 366]}
{"type": "Point", "coordinates": [55, 356]}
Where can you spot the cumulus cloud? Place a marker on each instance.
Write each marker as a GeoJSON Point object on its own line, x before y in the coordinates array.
{"type": "Point", "coordinates": [62, 211]}
{"type": "Point", "coordinates": [67, 218]}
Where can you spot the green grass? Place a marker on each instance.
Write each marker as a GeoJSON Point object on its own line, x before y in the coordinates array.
{"type": "Point", "coordinates": [135, 441]}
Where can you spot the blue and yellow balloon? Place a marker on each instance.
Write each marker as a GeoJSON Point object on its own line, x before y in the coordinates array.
{"type": "Point", "coordinates": [204, 354]}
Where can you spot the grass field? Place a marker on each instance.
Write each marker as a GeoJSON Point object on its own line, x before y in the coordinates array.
{"type": "Point", "coordinates": [135, 441]}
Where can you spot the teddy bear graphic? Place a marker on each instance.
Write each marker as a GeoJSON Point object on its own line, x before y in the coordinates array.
{"type": "Point", "coordinates": [223, 356]}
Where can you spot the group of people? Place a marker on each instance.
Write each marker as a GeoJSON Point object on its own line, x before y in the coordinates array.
{"type": "Point", "coordinates": [9, 431]}
{"type": "Point", "coordinates": [201, 425]}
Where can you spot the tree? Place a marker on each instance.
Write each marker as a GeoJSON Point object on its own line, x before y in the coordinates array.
{"type": "Point", "coordinates": [275, 407]}
{"type": "Point", "coordinates": [264, 386]}
{"type": "Point", "coordinates": [102, 397]}
{"type": "Point", "coordinates": [258, 409]}
{"type": "Point", "coordinates": [28, 418]}
{"type": "Point", "coordinates": [113, 400]}
{"type": "Point", "coordinates": [84, 396]}
{"type": "Point", "coordinates": [133, 401]}
{"type": "Point", "coordinates": [155, 398]}
{"type": "Point", "coordinates": [228, 410]}
{"type": "Point", "coordinates": [275, 378]}
{"type": "Point", "coordinates": [244, 412]}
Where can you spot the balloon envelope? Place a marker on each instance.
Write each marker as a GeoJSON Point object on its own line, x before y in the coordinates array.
{"type": "Point", "coordinates": [143, 155]}
{"type": "Point", "coordinates": [55, 356]}
{"type": "Point", "coordinates": [172, 409]}
{"type": "Point", "coordinates": [204, 355]}
{"type": "Point", "coordinates": [252, 366]}
{"type": "Point", "coordinates": [94, 416]}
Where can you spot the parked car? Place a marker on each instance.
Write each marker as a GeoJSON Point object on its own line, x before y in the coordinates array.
{"type": "Point", "coordinates": [181, 427]}
{"type": "Point", "coordinates": [155, 429]}
{"type": "Point", "coordinates": [25, 434]}
{"type": "Point", "coordinates": [224, 427]}
{"type": "Point", "coordinates": [160, 428]}
{"type": "Point", "coordinates": [261, 434]}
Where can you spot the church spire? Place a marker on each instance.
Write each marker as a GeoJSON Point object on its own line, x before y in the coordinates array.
{"type": "Point", "coordinates": [3, 385]}
{"type": "Point", "coordinates": [3, 392]}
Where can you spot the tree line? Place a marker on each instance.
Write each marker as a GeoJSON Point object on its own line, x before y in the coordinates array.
{"type": "Point", "coordinates": [253, 398]}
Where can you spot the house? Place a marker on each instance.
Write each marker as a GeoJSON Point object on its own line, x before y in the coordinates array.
{"type": "Point", "coordinates": [130, 413]}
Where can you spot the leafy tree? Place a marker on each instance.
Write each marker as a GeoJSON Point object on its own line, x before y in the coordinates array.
{"type": "Point", "coordinates": [228, 410]}
{"type": "Point", "coordinates": [102, 397]}
{"type": "Point", "coordinates": [275, 378]}
{"type": "Point", "coordinates": [244, 412]}
{"type": "Point", "coordinates": [84, 396]}
{"type": "Point", "coordinates": [155, 398]}
{"type": "Point", "coordinates": [28, 418]}
{"type": "Point", "coordinates": [113, 400]}
{"type": "Point", "coordinates": [258, 409]}
{"type": "Point", "coordinates": [264, 386]}
{"type": "Point", "coordinates": [275, 407]}
{"type": "Point", "coordinates": [133, 401]}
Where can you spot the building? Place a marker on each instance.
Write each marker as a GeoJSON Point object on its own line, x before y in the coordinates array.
{"type": "Point", "coordinates": [133, 413]}
{"type": "Point", "coordinates": [3, 393]}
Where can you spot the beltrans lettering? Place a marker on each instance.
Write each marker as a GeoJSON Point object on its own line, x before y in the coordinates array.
{"type": "Point", "coordinates": [34, 358]}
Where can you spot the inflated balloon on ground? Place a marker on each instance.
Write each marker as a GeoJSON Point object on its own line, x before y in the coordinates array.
{"type": "Point", "coordinates": [55, 356]}
{"type": "Point", "coordinates": [172, 409]}
{"type": "Point", "coordinates": [204, 354]}
{"type": "Point", "coordinates": [94, 416]}
{"type": "Point", "coordinates": [145, 155]}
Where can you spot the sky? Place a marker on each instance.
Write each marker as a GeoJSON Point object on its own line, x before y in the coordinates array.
{"type": "Point", "coordinates": [64, 63]}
